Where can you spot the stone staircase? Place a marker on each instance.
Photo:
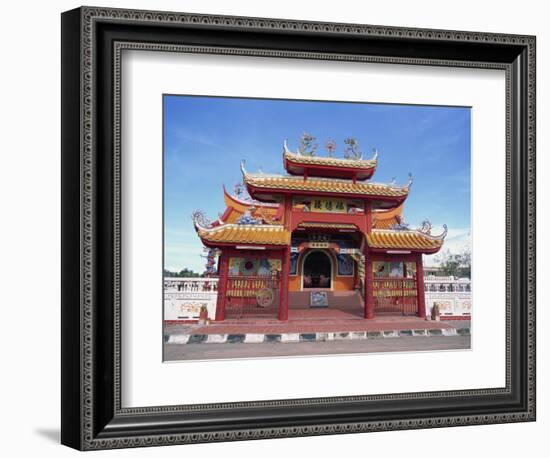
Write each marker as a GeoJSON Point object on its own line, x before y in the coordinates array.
{"type": "Point", "coordinates": [336, 299]}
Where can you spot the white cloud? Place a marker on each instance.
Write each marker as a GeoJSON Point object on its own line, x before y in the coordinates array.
{"type": "Point", "coordinates": [184, 254]}
{"type": "Point", "coordinates": [194, 137]}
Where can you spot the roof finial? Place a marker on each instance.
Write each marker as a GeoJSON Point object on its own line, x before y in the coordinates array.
{"type": "Point", "coordinates": [285, 147]}
{"type": "Point", "coordinates": [243, 170]}
{"type": "Point", "coordinates": [409, 184]}
{"type": "Point", "coordinates": [375, 155]}
{"type": "Point", "coordinates": [330, 146]}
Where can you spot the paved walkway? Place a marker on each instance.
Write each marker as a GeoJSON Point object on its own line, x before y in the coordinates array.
{"type": "Point", "coordinates": [309, 325]}
{"type": "Point", "coordinates": [312, 330]}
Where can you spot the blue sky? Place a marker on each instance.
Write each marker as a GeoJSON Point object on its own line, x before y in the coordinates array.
{"type": "Point", "coordinates": [205, 138]}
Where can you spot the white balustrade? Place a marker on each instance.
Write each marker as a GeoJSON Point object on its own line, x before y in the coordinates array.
{"type": "Point", "coordinates": [184, 297]}
{"type": "Point", "coordinates": [452, 295]}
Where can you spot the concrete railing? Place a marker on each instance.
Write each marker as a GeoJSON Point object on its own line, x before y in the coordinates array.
{"type": "Point", "coordinates": [435, 284]}
{"type": "Point", "coordinates": [191, 284]}
{"type": "Point", "coordinates": [184, 297]}
{"type": "Point", "coordinates": [452, 296]}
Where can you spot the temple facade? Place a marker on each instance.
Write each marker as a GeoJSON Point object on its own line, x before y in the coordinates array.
{"type": "Point", "coordinates": [321, 236]}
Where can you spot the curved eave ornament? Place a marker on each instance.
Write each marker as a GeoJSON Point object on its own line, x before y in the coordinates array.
{"type": "Point", "coordinates": [247, 202]}
{"type": "Point", "coordinates": [405, 187]}
{"type": "Point", "coordinates": [409, 183]}
{"type": "Point", "coordinates": [443, 234]}
{"type": "Point", "coordinates": [200, 221]}
{"type": "Point", "coordinates": [243, 170]}
{"type": "Point", "coordinates": [438, 239]}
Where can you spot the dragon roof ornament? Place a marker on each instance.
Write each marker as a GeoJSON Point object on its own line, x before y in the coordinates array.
{"type": "Point", "coordinates": [425, 229]}
{"type": "Point", "coordinates": [336, 160]}
{"type": "Point", "coordinates": [200, 219]}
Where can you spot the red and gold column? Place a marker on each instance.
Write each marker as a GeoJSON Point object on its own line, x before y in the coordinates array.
{"type": "Point", "coordinates": [369, 291]}
{"type": "Point", "coordinates": [420, 298]}
{"type": "Point", "coordinates": [223, 271]}
{"type": "Point", "coordinates": [283, 291]}
{"type": "Point", "coordinates": [285, 264]}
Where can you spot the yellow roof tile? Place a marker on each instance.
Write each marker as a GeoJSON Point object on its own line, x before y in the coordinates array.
{"type": "Point", "coordinates": [328, 185]}
{"type": "Point", "coordinates": [410, 240]}
{"type": "Point", "coordinates": [246, 234]}
{"type": "Point", "coordinates": [386, 223]}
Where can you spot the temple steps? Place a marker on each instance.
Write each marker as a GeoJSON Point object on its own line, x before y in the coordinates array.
{"type": "Point", "coordinates": [344, 300]}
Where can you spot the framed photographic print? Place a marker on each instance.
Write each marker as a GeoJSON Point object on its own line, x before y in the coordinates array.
{"type": "Point", "coordinates": [279, 228]}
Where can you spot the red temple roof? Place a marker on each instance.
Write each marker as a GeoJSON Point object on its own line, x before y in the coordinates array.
{"type": "Point", "coordinates": [328, 167]}
{"type": "Point", "coordinates": [258, 220]}
{"type": "Point", "coordinates": [268, 187]}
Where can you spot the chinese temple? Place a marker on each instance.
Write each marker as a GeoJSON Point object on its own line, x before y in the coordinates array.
{"type": "Point", "coordinates": [321, 236]}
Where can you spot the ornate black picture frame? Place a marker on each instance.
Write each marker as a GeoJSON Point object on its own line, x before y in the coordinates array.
{"type": "Point", "coordinates": [92, 41]}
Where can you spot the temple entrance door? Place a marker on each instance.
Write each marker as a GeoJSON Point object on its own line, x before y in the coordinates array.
{"type": "Point", "coordinates": [317, 270]}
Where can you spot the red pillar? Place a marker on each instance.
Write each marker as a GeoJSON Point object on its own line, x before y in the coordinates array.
{"type": "Point", "coordinates": [369, 285]}
{"type": "Point", "coordinates": [285, 262]}
{"type": "Point", "coordinates": [420, 287]}
{"type": "Point", "coordinates": [369, 296]}
{"type": "Point", "coordinates": [223, 270]}
{"type": "Point", "coordinates": [368, 217]}
{"type": "Point", "coordinates": [283, 291]}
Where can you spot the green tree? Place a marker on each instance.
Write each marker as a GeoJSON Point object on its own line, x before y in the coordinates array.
{"type": "Point", "coordinates": [182, 273]}
{"type": "Point", "coordinates": [457, 264]}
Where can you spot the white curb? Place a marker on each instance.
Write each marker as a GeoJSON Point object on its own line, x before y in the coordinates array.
{"type": "Point", "coordinates": [291, 337]}
{"type": "Point", "coordinates": [178, 338]}
{"type": "Point", "coordinates": [319, 336]}
{"type": "Point", "coordinates": [324, 336]}
{"type": "Point", "coordinates": [390, 334]}
{"type": "Point", "coordinates": [216, 338]}
{"type": "Point", "coordinates": [254, 338]}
